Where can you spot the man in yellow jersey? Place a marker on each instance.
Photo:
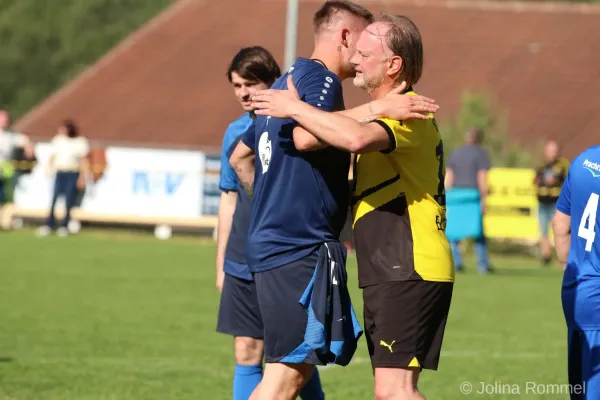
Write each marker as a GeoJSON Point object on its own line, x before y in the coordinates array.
{"type": "Point", "coordinates": [404, 259]}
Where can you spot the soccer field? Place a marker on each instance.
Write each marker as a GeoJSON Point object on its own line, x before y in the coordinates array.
{"type": "Point", "coordinates": [103, 316]}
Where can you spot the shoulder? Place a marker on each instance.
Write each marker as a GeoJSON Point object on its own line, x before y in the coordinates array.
{"type": "Point", "coordinates": [237, 127]}
{"type": "Point", "coordinates": [316, 75]}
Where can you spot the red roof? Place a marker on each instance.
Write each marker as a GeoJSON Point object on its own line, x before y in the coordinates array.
{"type": "Point", "coordinates": [166, 86]}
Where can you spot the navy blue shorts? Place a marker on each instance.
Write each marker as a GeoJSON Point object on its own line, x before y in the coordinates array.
{"type": "Point", "coordinates": [279, 292]}
{"type": "Point", "coordinates": [239, 314]}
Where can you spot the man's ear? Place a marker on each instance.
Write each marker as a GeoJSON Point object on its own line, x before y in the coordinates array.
{"type": "Point", "coordinates": [395, 65]}
{"type": "Point", "coordinates": [345, 34]}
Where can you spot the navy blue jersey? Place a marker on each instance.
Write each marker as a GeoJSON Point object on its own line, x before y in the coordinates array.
{"type": "Point", "coordinates": [580, 198]}
{"type": "Point", "coordinates": [235, 252]}
{"type": "Point", "coordinates": [300, 198]}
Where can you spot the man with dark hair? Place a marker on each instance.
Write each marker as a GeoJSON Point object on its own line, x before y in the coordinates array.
{"type": "Point", "coordinates": [300, 203]}
{"type": "Point", "coordinates": [252, 69]}
{"type": "Point", "coordinates": [404, 259]}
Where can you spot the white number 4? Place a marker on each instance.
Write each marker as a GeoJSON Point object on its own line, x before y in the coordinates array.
{"type": "Point", "coordinates": [589, 219]}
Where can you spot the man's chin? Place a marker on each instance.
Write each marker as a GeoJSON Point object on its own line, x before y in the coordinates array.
{"type": "Point", "coordinates": [359, 83]}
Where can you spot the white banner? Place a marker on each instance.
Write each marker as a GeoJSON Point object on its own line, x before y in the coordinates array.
{"type": "Point", "coordinates": [139, 182]}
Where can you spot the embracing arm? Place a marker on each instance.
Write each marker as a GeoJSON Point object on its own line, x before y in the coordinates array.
{"type": "Point", "coordinates": [242, 161]}
{"type": "Point", "coordinates": [306, 141]}
{"type": "Point", "coordinates": [340, 131]}
{"type": "Point", "coordinates": [287, 104]}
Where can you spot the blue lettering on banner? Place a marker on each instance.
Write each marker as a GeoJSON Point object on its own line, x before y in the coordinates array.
{"type": "Point", "coordinates": [156, 183]}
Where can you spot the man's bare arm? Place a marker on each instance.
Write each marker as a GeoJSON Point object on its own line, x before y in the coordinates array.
{"type": "Point", "coordinates": [242, 161]}
{"type": "Point", "coordinates": [449, 182]}
{"type": "Point", "coordinates": [561, 225]}
{"type": "Point", "coordinates": [226, 209]}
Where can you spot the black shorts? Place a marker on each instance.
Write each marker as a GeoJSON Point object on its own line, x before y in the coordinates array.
{"type": "Point", "coordinates": [279, 292]}
{"type": "Point", "coordinates": [239, 314]}
{"type": "Point", "coordinates": [405, 322]}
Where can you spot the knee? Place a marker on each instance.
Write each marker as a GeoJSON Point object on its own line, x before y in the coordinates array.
{"type": "Point", "coordinates": [248, 351]}
{"type": "Point", "coordinates": [401, 388]}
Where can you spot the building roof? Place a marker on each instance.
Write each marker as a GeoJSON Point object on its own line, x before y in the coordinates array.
{"type": "Point", "coordinates": [165, 85]}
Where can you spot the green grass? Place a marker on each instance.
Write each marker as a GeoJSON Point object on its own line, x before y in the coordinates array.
{"type": "Point", "coordinates": [130, 317]}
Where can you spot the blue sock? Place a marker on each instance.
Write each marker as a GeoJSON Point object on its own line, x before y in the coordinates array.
{"type": "Point", "coordinates": [313, 390]}
{"type": "Point", "coordinates": [245, 380]}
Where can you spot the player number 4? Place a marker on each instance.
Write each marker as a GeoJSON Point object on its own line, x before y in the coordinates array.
{"type": "Point", "coordinates": [588, 222]}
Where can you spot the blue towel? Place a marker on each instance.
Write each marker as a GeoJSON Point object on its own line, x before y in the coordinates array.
{"type": "Point", "coordinates": [333, 329]}
{"type": "Point", "coordinates": [464, 218]}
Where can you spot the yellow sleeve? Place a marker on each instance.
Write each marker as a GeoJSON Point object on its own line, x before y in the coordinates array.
{"type": "Point", "coordinates": [400, 134]}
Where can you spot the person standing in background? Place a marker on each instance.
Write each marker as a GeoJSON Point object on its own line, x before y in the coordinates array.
{"type": "Point", "coordinates": [549, 179]}
{"type": "Point", "coordinates": [466, 192]}
{"type": "Point", "coordinates": [9, 143]}
{"type": "Point", "coordinates": [68, 159]}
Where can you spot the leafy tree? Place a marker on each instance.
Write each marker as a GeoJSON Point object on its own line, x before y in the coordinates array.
{"type": "Point", "coordinates": [46, 43]}
{"type": "Point", "coordinates": [477, 110]}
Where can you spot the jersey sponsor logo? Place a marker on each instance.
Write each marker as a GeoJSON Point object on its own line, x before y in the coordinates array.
{"type": "Point", "coordinates": [264, 151]}
{"type": "Point", "coordinates": [593, 167]}
{"type": "Point", "coordinates": [389, 346]}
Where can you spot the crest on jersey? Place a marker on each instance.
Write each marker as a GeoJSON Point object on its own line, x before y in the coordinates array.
{"type": "Point", "coordinates": [264, 151]}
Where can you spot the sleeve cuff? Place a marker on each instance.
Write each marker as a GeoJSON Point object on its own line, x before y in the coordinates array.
{"type": "Point", "coordinates": [227, 189]}
{"type": "Point", "coordinates": [391, 137]}
{"type": "Point", "coordinates": [563, 209]}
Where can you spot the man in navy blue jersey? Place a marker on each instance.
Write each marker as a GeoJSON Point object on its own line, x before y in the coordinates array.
{"type": "Point", "coordinates": [252, 69]}
{"type": "Point", "coordinates": [300, 198]}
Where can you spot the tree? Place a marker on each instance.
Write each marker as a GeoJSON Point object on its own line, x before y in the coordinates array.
{"type": "Point", "coordinates": [477, 110]}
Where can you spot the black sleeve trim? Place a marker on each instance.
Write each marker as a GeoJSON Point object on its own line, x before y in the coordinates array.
{"type": "Point", "coordinates": [392, 138]}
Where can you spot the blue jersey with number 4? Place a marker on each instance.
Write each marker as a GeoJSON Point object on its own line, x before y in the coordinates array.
{"type": "Point", "coordinates": [580, 198]}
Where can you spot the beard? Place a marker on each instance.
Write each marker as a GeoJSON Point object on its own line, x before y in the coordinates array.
{"type": "Point", "coordinates": [366, 82]}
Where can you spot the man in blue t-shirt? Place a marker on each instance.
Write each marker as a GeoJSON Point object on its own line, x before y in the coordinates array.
{"type": "Point", "coordinates": [252, 69]}
{"type": "Point", "coordinates": [576, 225]}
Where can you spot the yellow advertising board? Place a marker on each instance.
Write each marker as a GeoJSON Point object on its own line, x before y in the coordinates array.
{"type": "Point", "coordinates": [512, 206]}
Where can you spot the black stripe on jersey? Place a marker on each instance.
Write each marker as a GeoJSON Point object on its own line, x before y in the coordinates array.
{"type": "Point", "coordinates": [373, 189]}
{"type": "Point", "coordinates": [392, 139]}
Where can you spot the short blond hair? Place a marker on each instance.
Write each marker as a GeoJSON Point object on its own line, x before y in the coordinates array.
{"type": "Point", "coordinates": [404, 40]}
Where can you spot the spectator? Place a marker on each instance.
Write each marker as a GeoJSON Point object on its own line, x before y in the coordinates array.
{"type": "Point", "coordinates": [548, 180]}
{"type": "Point", "coordinates": [466, 191]}
{"type": "Point", "coordinates": [10, 142]}
{"type": "Point", "coordinates": [68, 159]}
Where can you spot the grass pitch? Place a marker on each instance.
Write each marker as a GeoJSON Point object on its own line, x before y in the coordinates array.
{"type": "Point", "coordinates": [102, 316]}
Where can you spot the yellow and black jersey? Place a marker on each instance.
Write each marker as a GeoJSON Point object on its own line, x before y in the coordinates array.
{"type": "Point", "coordinates": [399, 207]}
{"type": "Point", "coordinates": [558, 169]}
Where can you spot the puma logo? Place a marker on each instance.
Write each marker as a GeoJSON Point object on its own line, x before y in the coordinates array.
{"type": "Point", "coordinates": [389, 346]}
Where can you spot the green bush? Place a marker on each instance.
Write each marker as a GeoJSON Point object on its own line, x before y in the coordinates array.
{"type": "Point", "coordinates": [477, 110]}
{"type": "Point", "coordinates": [46, 43]}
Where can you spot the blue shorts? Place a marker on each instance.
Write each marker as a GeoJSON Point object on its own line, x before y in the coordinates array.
{"type": "Point", "coordinates": [239, 314]}
{"type": "Point", "coordinates": [584, 363]}
{"type": "Point", "coordinates": [545, 215]}
{"type": "Point", "coordinates": [1, 190]}
{"type": "Point", "coordinates": [285, 319]}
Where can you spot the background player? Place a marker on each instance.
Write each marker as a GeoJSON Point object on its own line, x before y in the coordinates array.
{"type": "Point", "coordinates": [252, 69]}
{"type": "Point", "coordinates": [576, 225]}
{"type": "Point", "coordinates": [399, 192]}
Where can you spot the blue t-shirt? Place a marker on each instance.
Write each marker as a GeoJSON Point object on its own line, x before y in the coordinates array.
{"type": "Point", "coordinates": [300, 198]}
{"type": "Point", "coordinates": [235, 252]}
{"type": "Point", "coordinates": [579, 198]}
